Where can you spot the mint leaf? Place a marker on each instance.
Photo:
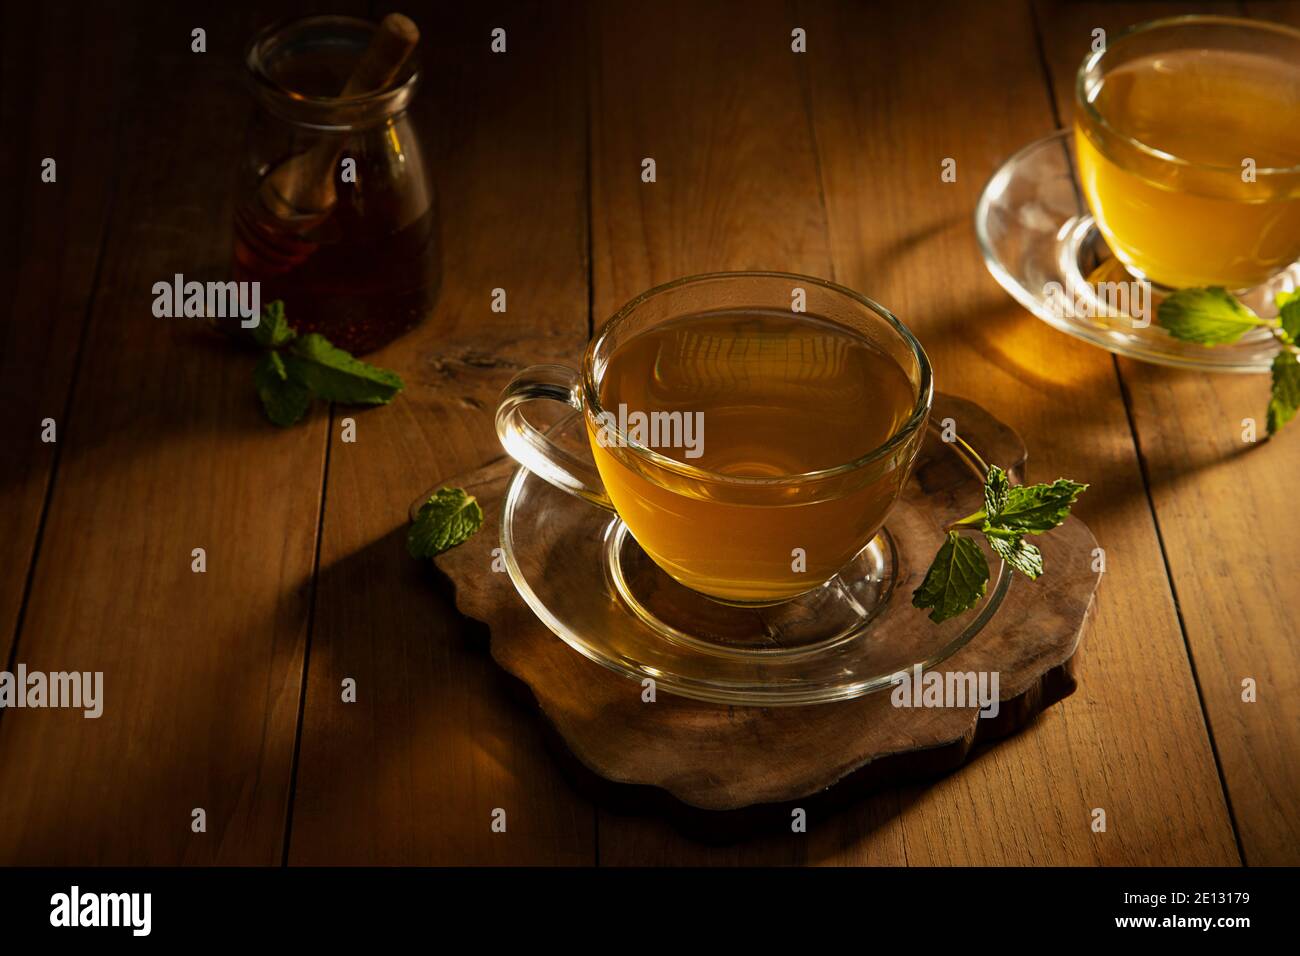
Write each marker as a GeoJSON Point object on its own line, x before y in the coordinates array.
{"type": "Point", "coordinates": [996, 487]}
{"type": "Point", "coordinates": [447, 519]}
{"type": "Point", "coordinates": [273, 330]}
{"type": "Point", "coordinates": [334, 375]}
{"type": "Point", "coordinates": [311, 367]}
{"type": "Point", "coordinates": [1288, 313]}
{"type": "Point", "coordinates": [959, 575]}
{"type": "Point", "coordinates": [1035, 508]}
{"type": "Point", "coordinates": [1210, 316]}
{"type": "Point", "coordinates": [1285, 399]}
{"type": "Point", "coordinates": [284, 400]}
{"type": "Point", "coordinates": [956, 580]}
{"type": "Point", "coordinates": [1020, 554]}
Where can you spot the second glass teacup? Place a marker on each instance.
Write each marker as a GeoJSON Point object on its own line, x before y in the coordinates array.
{"type": "Point", "coordinates": [751, 429]}
{"type": "Point", "coordinates": [1188, 149]}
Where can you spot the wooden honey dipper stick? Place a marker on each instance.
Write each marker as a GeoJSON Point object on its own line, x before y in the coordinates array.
{"type": "Point", "coordinates": [301, 188]}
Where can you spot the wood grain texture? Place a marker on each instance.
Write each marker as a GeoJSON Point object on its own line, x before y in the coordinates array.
{"type": "Point", "coordinates": [1227, 517]}
{"type": "Point", "coordinates": [713, 94]}
{"type": "Point", "coordinates": [825, 162]}
{"type": "Point", "coordinates": [1132, 741]}
{"type": "Point", "coordinates": [745, 769]}
{"type": "Point", "coordinates": [61, 99]}
{"type": "Point", "coordinates": [414, 770]}
{"type": "Point", "coordinates": [165, 450]}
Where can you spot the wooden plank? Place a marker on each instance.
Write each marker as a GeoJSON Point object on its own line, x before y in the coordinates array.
{"type": "Point", "coordinates": [413, 772]}
{"type": "Point", "coordinates": [713, 94]}
{"type": "Point", "coordinates": [165, 450]}
{"type": "Point", "coordinates": [1132, 740]}
{"type": "Point", "coordinates": [61, 91]}
{"type": "Point", "coordinates": [1228, 524]}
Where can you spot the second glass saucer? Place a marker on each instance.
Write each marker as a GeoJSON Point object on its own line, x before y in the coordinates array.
{"type": "Point", "coordinates": [1042, 246]}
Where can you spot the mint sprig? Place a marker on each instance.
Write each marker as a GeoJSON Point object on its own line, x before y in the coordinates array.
{"type": "Point", "coordinates": [448, 518]}
{"type": "Point", "coordinates": [959, 575]}
{"type": "Point", "coordinates": [1214, 316]}
{"type": "Point", "coordinates": [295, 369]}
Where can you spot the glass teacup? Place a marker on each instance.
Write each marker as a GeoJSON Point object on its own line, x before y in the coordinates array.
{"type": "Point", "coordinates": [752, 430]}
{"type": "Point", "coordinates": [1188, 149]}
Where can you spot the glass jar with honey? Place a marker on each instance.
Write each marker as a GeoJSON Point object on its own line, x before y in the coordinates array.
{"type": "Point", "coordinates": [335, 207]}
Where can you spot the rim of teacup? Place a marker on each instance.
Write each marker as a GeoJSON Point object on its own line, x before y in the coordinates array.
{"type": "Point", "coordinates": [920, 409]}
{"type": "Point", "coordinates": [1093, 61]}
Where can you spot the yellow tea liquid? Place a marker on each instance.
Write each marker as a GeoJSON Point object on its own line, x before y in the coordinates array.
{"type": "Point", "coordinates": [774, 394]}
{"type": "Point", "coordinates": [1196, 223]}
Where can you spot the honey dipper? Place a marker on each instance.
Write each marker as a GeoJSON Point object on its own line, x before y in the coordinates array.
{"type": "Point", "coordinates": [301, 189]}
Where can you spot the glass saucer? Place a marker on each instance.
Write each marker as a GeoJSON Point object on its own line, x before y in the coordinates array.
{"type": "Point", "coordinates": [1035, 230]}
{"type": "Point", "coordinates": [585, 577]}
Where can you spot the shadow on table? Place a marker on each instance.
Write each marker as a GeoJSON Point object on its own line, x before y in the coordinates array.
{"type": "Point", "coordinates": [902, 774]}
{"type": "Point", "coordinates": [439, 726]}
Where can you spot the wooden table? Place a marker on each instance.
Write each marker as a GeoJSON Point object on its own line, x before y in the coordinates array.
{"type": "Point", "coordinates": [223, 689]}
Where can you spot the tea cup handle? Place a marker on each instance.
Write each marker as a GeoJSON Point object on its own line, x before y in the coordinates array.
{"type": "Point", "coordinates": [532, 449]}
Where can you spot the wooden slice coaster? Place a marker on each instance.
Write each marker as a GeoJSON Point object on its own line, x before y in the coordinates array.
{"type": "Point", "coordinates": [719, 771]}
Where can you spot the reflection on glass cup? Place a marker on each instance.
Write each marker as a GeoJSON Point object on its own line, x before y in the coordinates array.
{"type": "Point", "coordinates": [752, 450]}
{"type": "Point", "coordinates": [1188, 149]}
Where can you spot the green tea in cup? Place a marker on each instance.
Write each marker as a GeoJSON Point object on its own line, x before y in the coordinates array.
{"type": "Point", "coordinates": [1187, 136]}
{"type": "Point", "coordinates": [752, 450]}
